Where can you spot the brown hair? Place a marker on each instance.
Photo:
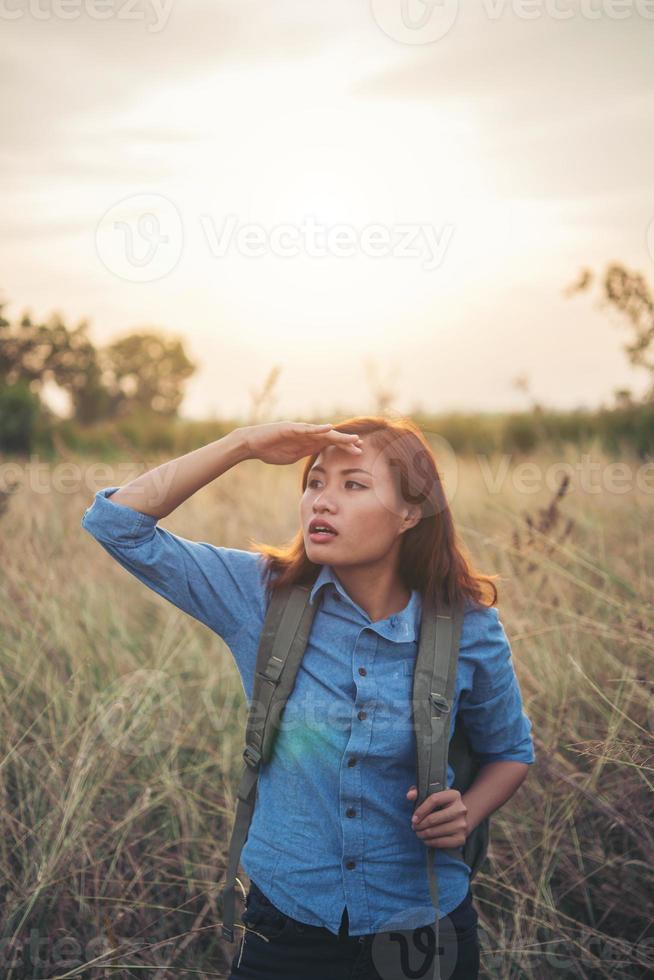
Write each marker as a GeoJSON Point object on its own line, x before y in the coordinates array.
{"type": "Point", "coordinates": [432, 559]}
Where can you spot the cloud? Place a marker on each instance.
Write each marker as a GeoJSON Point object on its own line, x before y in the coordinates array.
{"type": "Point", "coordinates": [541, 69]}
{"type": "Point", "coordinates": [538, 96]}
{"type": "Point", "coordinates": [55, 73]}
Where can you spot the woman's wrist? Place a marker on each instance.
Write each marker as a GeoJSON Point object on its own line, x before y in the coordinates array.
{"type": "Point", "coordinates": [239, 447]}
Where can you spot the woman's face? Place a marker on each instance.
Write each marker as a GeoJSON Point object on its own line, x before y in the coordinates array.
{"type": "Point", "coordinates": [362, 505]}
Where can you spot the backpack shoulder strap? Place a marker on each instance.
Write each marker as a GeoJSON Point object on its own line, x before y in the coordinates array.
{"type": "Point", "coordinates": [282, 643]}
{"type": "Point", "coordinates": [466, 765]}
{"type": "Point", "coordinates": [434, 681]}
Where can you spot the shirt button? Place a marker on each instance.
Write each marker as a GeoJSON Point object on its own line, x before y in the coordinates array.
{"type": "Point", "coordinates": [351, 864]}
{"type": "Point", "coordinates": [350, 812]}
{"type": "Point", "coordinates": [362, 671]}
{"type": "Point", "coordinates": [352, 761]}
{"type": "Point", "coordinates": [362, 715]}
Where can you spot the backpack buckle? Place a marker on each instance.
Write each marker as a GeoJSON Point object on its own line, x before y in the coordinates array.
{"type": "Point", "coordinates": [252, 757]}
{"type": "Point", "coordinates": [440, 703]}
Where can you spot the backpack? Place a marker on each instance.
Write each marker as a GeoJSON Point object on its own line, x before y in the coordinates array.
{"type": "Point", "coordinates": [284, 636]}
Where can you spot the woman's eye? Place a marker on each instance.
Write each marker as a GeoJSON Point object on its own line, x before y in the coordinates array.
{"type": "Point", "coordinates": [312, 483]}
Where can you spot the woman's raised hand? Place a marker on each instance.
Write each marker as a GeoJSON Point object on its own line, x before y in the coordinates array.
{"type": "Point", "coordinates": [286, 442]}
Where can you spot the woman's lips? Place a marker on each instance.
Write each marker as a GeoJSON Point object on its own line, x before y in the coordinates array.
{"type": "Point", "coordinates": [321, 537]}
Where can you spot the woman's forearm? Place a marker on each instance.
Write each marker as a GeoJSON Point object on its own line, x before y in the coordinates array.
{"type": "Point", "coordinates": [162, 489]}
{"type": "Point", "coordinates": [495, 783]}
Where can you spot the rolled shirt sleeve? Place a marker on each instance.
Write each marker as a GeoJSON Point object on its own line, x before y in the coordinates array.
{"type": "Point", "coordinates": [221, 587]}
{"type": "Point", "coordinates": [492, 710]}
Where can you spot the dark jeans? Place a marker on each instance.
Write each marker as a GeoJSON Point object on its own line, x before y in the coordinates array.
{"type": "Point", "coordinates": [286, 949]}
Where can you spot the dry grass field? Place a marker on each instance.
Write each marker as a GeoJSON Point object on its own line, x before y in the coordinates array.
{"type": "Point", "coordinates": [122, 723]}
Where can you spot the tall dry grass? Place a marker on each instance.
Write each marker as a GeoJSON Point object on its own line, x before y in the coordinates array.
{"type": "Point", "coordinates": [123, 718]}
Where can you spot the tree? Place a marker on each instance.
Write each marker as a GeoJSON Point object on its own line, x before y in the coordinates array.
{"type": "Point", "coordinates": [627, 293]}
{"type": "Point", "coordinates": [35, 353]}
{"type": "Point", "coordinates": [145, 371]}
{"type": "Point", "coordinates": [19, 411]}
{"type": "Point", "coordinates": [142, 371]}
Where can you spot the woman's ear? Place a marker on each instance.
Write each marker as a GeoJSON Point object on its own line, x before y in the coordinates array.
{"type": "Point", "coordinates": [412, 517]}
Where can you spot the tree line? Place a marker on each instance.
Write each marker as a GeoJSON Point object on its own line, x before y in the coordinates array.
{"type": "Point", "coordinates": [141, 376]}
{"type": "Point", "coordinates": [143, 371]}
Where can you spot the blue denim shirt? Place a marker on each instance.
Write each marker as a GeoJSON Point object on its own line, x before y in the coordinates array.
{"type": "Point", "coordinates": [332, 823]}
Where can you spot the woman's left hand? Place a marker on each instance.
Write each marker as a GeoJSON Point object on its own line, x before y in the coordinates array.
{"type": "Point", "coordinates": [441, 820]}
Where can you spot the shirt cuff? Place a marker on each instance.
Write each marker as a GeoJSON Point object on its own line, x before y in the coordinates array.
{"type": "Point", "coordinates": [116, 522]}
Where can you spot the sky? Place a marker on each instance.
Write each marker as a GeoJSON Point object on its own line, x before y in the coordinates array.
{"type": "Point", "coordinates": [395, 190]}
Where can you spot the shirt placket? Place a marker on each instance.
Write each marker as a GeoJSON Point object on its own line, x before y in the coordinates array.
{"type": "Point", "coordinates": [352, 790]}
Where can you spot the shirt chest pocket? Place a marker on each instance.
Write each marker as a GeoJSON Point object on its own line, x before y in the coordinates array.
{"type": "Point", "coordinates": [393, 736]}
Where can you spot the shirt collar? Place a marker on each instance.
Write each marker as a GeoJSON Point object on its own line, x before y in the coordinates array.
{"type": "Point", "coordinates": [326, 575]}
{"type": "Point", "coordinates": [402, 627]}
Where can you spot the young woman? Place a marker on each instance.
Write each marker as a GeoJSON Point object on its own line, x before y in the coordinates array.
{"type": "Point", "coordinates": [334, 858]}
